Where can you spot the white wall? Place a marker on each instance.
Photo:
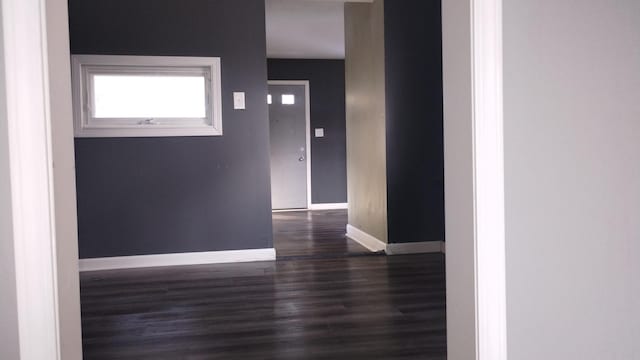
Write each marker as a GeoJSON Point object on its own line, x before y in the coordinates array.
{"type": "Point", "coordinates": [572, 157]}
{"type": "Point", "coordinates": [459, 182]}
{"type": "Point", "coordinates": [305, 29]}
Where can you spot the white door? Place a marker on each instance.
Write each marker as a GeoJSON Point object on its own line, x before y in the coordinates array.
{"type": "Point", "coordinates": [288, 131]}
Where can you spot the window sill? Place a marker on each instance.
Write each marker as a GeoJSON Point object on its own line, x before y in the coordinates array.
{"type": "Point", "coordinates": [146, 131]}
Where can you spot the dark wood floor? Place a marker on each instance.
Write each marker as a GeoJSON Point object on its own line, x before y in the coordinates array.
{"type": "Point", "coordinates": [345, 307]}
{"type": "Point", "coordinates": [306, 234]}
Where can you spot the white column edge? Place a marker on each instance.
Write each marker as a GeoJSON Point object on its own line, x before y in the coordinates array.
{"type": "Point", "coordinates": [487, 72]}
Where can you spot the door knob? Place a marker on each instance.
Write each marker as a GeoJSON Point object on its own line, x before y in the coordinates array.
{"type": "Point", "coordinates": [302, 158]}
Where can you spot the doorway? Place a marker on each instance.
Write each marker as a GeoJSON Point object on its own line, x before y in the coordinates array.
{"type": "Point", "coordinates": [42, 153]}
{"type": "Point", "coordinates": [289, 126]}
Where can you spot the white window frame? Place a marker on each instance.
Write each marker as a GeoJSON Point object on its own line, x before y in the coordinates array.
{"type": "Point", "coordinates": [85, 66]}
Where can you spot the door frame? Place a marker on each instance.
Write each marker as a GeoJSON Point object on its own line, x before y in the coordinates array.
{"type": "Point", "coordinates": [307, 96]}
{"type": "Point", "coordinates": [475, 260]}
{"type": "Point", "coordinates": [474, 179]}
{"type": "Point", "coordinates": [36, 101]}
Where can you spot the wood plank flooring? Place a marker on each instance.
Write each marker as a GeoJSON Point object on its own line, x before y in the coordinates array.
{"type": "Point", "coordinates": [313, 234]}
{"type": "Point", "coordinates": [345, 307]}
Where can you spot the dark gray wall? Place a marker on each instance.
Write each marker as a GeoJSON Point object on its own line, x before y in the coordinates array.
{"type": "Point", "coordinates": [181, 194]}
{"type": "Point", "coordinates": [327, 93]}
{"type": "Point", "coordinates": [415, 159]}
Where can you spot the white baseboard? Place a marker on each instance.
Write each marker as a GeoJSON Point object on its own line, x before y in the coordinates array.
{"type": "Point", "coordinates": [415, 248]}
{"type": "Point", "coordinates": [288, 210]}
{"type": "Point", "coordinates": [375, 245]}
{"type": "Point", "coordinates": [337, 206]}
{"type": "Point", "coordinates": [178, 259]}
{"type": "Point", "coordinates": [366, 240]}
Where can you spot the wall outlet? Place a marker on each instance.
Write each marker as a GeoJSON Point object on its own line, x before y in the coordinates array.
{"type": "Point", "coordinates": [319, 132]}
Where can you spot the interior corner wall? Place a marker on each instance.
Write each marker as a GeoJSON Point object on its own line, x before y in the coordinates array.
{"type": "Point", "coordinates": [366, 135]}
{"type": "Point", "coordinates": [572, 178]}
{"type": "Point", "coordinates": [139, 196]}
{"type": "Point", "coordinates": [414, 120]}
{"type": "Point", "coordinates": [327, 93]}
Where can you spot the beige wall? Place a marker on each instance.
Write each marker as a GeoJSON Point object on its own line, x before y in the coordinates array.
{"type": "Point", "coordinates": [365, 91]}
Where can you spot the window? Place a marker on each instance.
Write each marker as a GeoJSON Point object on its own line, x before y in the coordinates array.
{"type": "Point", "coordinates": [288, 99]}
{"type": "Point", "coordinates": [137, 96]}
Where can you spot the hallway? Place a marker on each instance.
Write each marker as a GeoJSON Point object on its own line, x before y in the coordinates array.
{"type": "Point", "coordinates": [313, 234]}
{"type": "Point", "coordinates": [306, 305]}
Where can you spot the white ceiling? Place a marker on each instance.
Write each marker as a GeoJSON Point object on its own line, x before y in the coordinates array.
{"type": "Point", "coordinates": [307, 29]}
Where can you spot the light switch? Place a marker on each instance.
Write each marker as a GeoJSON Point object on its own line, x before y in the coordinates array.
{"type": "Point", "coordinates": [238, 101]}
{"type": "Point", "coordinates": [319, 132]}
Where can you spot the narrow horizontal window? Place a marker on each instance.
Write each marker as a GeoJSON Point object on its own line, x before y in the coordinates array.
{"type": "Point", "coordinates": [288, 99]}
{"type": "Point", "coordinates": [149, 96]}
{"type": "Point", "coordinates": [127, 96]}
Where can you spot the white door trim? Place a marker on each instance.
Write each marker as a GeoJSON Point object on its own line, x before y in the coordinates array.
{"type": "Point", "coordinates": [308, 126]}
{"type": "Point", "coordinates": [64, 176]}
{"type": "Point", "coordinates": [474, 179]}
{"type": "Point", "coordinates": [25, 56]}
{"type": "Point", "coordinates": [489, 180]}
